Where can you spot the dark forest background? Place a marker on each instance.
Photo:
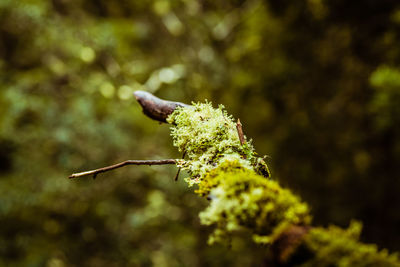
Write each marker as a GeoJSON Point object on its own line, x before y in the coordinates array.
{"type": "Point", "coordinates": [316, 84]}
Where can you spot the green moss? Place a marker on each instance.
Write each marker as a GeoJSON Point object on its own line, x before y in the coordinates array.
{"type": "Point", "coordinates": [337, 247]}
{"type": "Point", "coordinates": [242, 199]}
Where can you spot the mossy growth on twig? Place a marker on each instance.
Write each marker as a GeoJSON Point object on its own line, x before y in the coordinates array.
{"type": "Point", "coordinates": [243, 196]}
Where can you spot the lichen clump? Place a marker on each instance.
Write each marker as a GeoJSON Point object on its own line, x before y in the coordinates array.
{"type": "Point", "coordinates": [208, 137]}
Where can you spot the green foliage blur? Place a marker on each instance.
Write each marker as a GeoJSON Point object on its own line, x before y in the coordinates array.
{"type": "Point", "coordinates": [316, 84]}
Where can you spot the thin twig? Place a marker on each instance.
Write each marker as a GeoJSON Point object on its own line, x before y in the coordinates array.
{"type": "Point", "coordinates": [179, 169]}
{"type": "Point", "coordinates": [121, 164]}
{"type": "Point", "coordinates": [177, 174]}
{"type": "Point", "coordinates": [240, 132]}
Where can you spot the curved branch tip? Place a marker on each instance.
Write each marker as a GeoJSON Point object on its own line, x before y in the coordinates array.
{"type": "Point", "coordinates": [156, 108]}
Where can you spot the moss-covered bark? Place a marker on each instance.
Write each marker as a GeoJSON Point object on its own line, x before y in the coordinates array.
{"type": "Point", "coordinates": [232, 177]}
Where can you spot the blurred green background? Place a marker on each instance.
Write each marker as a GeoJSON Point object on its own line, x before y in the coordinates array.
{"type": "Point", "coordinates": [316, 84]}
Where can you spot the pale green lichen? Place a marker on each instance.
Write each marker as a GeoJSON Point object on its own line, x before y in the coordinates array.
{"type": "Point", "coordinates": [207, 136]}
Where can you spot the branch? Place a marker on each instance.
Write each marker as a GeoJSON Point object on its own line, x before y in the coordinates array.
{"type": "Point", "coordinates": [297, 244]}
{"type": "Point", "coordinates": [156, 108]}
{"type": "Point", "coordinates": [239, 129]}
{"type": "Point", "coordinates": [122, 164]}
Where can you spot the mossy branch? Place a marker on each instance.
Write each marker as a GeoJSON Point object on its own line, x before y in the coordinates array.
{"type": "Point", "coordinates": [242, 195]}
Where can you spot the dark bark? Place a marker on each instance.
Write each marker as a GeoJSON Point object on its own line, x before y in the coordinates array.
{"type": "Point", "coordinates": [156, 108]}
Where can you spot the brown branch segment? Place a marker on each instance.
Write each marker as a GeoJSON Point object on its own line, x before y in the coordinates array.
{"type": "Point", "coordinates": [287, 243]}
{"type": "Point", "coordinates": [122, 164]}
{"type": "Point", "coordinates": [156, 108]}
{"type": "Point", "coordinates": [239, 128]}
